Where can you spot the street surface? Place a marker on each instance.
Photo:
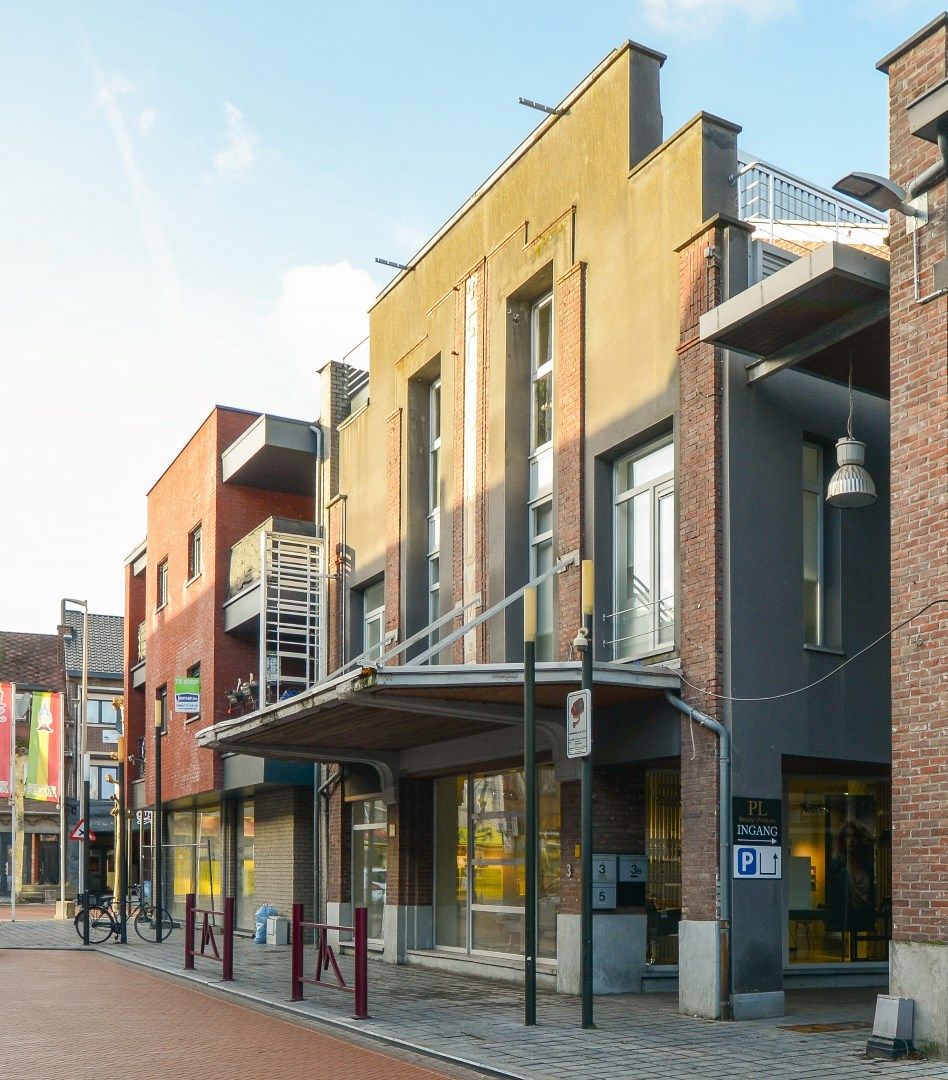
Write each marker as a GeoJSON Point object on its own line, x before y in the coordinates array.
{"type": "Point", "coordinates": [78, 1015]}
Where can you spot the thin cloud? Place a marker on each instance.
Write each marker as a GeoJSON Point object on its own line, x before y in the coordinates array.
{"type": "Point", "coordinates": [145, 120]}
{"type": "Point", "coordinates": [704, 16]}
{"type": "Point", "coordinates": [240, 144]}
{"type": "Point", "coordinates": [322, 312]}
{"type": "Point", "coordinates": [109, 91]}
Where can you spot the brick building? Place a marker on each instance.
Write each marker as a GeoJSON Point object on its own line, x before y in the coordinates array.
{"type": "Point", "coordinates": [34, 663]}
{"type": "Point", "coordinates": [237, 498]}
{"type": "Point", "coordinates": [558, 376]}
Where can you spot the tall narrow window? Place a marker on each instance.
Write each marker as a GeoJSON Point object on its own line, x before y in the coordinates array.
{"type": "Point", "coordinates": [373, 620]}
{"type": "Point", "coordinates": [161, 708]}
{"type": "Point", "coordinates": [162, 583]}
{"type": "Point", "coordinates": [643, 619]}
{"type": "Point", "coordinates": [812, 544]}
{"type": "Point", "coordinates": [541, 468]}
{"type": "Point", "coordinates": [195, 553]}
{"type": "Point", "coordinates": [434, 506]}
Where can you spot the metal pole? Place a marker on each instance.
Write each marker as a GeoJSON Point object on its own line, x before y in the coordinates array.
{"type": "Point", "coordinates": [586, 801]}
{"type": "Point", "coordinates": [83, 711]}
{"type": "Point", "coordinates": [156, 831]}
{"type": "Point", "coordinates": [13, 851]}
{"type": "Point", "coordinates": [64, 705]}
{"type": "Point", "coordinates": [120, 842]}
{"type": "Point", "coordinates": [84, 862]}
{"type": "Point", "coordinates": [530, 776]}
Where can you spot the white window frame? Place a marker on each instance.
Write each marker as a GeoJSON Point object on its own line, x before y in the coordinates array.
{"type": "Point", "coordinates": [195, 552]}
{"type": "Point", "coordinates": [375, 615]}
{"type": "Point", "coordinates": [162, 584]}
{"type": "Point", "coordinates": [434, 508]}
{"type": "Point", "coordinates": [541, 456]}
{"type": "Point", "coordinates": [661, 487]}
{"type": "Point", "coordinates": [816, 489]}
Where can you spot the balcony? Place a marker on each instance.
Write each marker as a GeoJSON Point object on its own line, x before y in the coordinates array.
{"type": "Point", "coordinates": [275, 598]}
{"type": "Point", "coordinates": [274, 453]}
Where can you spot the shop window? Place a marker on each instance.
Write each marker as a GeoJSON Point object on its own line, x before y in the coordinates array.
{"type": "Point", "coordinates": [663, 850]}
{"type": "Point", "coordinates": [479, 862]}
{"type": "Point", "coordinates": [839, 869]}
{"type": "Point", "coordinates": [246, 888]}
{"type": "Point", "coordinates": [369, 861]}
{"type": "Point", "coordinates": [643, 618]}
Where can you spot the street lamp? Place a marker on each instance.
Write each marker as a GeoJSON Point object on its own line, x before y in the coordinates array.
{"type": "Point", "coordinates": [80, 767]}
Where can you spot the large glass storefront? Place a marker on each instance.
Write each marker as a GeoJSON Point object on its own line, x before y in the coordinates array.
{"type": "Point", "coordinates": [479, 861]}
{"type": "Point", "coordinates": [192, 858]}
{"type": "Point", "coordinates": [839, 872]}
{"type": "Point", "coordinates": [244, 852]}
{"type": "Point", "coordinates": [369, 861]}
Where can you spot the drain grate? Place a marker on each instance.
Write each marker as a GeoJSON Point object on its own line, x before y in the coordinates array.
{"type": "Point", "coordinates": [821, 1029]}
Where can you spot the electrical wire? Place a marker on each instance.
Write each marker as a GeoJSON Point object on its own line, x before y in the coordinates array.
{"type": "Point", "coordinates": [829, 674]}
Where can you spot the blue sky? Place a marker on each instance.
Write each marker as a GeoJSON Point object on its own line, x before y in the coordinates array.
{"type": "Point", "coordinates": [193, 195]}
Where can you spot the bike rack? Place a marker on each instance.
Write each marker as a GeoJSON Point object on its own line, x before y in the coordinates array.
{"type": "Point", "coordinates": [326, 959]}
{"type": "Point", "coordinates": [208, 938]}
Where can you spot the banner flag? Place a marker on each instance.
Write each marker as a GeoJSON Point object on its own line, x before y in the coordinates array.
{"type": "Point", "coordinates": [7, 736]}
{"type": "Point", "coordinates": [46, 731]}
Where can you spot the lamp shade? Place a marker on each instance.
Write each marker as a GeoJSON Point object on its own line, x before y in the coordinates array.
{"type": "Point", "coordinates": [851, 486]}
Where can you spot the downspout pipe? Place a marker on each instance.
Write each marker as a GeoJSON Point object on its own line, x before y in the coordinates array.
{"type": "Point", "coordinates": [724, 834]}
{"type": "Point", "coordinates": [936, 173]}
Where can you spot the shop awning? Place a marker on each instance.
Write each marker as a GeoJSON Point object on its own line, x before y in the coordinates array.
{"type": "Point", "coordinates": [374, 714]}
{"type": "Point", "coordinates": [812, 314]}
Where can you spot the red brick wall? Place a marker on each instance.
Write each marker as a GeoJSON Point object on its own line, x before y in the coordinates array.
{"type": "Point", "coordinates": [189, 629]}
{"type": "Point", "coordinates": [919, 515]}
{"type": "Point", "coordinates": [393, 522]}
{"type": "Point", "coordinates": [700, 568]}
{"type": "Point", "coordinates": [339, 853]}
{"type": "Point", "coordinates": [569, 305]}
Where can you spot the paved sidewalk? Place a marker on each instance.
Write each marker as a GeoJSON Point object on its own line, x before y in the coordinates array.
{"type": "Point", "coordinates": [479, 1024]}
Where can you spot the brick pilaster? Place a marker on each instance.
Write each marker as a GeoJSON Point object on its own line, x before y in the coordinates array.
{"type": "Point", "coordinates": [410, 874]}
{"type": "Point", "coordinates": [700, 514]}
{"type": "Point", "coordinates": [339, 847]}
{"type": "Point", "coordinates": [335, 589]}
{"type": "Point", "coordinates": [569, 306]}
{"type": "Point", "coordinates": [919, 517]}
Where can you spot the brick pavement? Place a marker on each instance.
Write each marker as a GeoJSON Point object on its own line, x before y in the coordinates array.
{"type": "Point", "coordinates": [473, 1023]}
{"type": "Point", "coordinates": [154, 1026]}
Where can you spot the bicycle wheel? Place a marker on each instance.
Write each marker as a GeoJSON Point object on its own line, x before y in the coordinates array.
{"type": "Point", "coordinates": [101, 924]}
{"type": "Point", "coordinates": [144, 925]}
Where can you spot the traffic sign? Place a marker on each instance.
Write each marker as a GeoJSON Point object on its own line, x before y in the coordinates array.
{"type": "Point", "coordinates": [754, 861]}
{"type": "Point", "coordinates": [78, 833]}
{"type": "Point", "coordinates": [578, 723]}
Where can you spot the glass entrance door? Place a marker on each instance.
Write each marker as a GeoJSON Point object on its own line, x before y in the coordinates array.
{"type": "Point", "coordinates": [369, 861]}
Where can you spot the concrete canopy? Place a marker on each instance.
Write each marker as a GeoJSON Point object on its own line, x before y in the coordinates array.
{"type": "Point", "coordinates": [373, 714]}
{"type": "Point", "coordinates": [812, 314]}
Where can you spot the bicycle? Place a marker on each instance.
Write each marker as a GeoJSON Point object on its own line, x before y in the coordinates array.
{"type": "Point", "coordinates": [104, 921]}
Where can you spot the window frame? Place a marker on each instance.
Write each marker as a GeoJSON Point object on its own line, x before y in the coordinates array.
{"type": "Point", "coordinates": [820, 542]}
{"type": "Point", "coordinates": [540, 465]}
{"type": "Point", "coordinates": [659, 488]}
{"type": "Point", "coordinates": [369, 616]}
{"type": "Point", "coordinates": [433, 542]}
{"type": "Point", "coordinates": [195, 552]}
{"type": "Point", "coordinates": [161, 584]}
{"type": "Point", "coordinates": [161, 695]}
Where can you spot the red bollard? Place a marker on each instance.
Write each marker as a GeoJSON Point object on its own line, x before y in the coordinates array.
{"type": "Point", "coordinates": [189, 931]}
{"type": "Point", "coordinates": [228, 939]}
{"type": "Point", "coordinates": [297, 953]}
{"type": "Point", "coordinates": [361, 963]}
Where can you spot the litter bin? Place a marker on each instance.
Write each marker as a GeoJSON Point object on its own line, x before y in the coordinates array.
{"type": "Point", "coordinates": [278, 931]}
{"type": "Point", "coordinates": [260, 917]}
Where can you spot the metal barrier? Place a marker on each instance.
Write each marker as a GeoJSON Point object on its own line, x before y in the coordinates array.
{"type": "Point", "coordinates": [223, 956]}
{"type": "Point", "coordinates": [326, 959]}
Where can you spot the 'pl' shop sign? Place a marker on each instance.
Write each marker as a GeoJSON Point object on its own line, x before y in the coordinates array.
{"type": "Point", "coordinates": [757, 837]}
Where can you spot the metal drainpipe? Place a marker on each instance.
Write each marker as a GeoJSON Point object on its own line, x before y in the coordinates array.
{"type": "Point", "coordinates": [320, 807]}
{"type": "Point", "coordinates": [724, 832]}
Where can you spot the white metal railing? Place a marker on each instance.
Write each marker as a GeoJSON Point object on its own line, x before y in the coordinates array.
{"type": "Point", "coordinates": [659, 620]}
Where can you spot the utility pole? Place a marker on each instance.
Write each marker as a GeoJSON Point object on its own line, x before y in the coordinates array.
{"type": "Point", "coordinates": [156, 837]}
{"type": "Point", "coordinates": [584, 645]}
{"type": "Point", "coordinates": [530, 776]}
{"type": "Point", "coordinates": [120, 815]}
